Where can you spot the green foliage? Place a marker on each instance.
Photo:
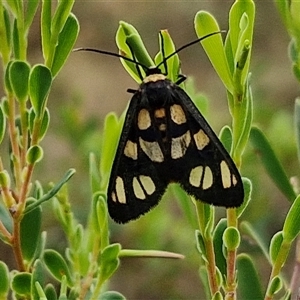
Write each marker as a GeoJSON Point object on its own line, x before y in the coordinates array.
{"type": "Point", "coordinates": [90, 259]}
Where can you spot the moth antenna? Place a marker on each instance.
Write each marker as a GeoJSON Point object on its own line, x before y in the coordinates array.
{"type": "Point", "coordinates": [188, 45]}
{"type": "Point", "coordinates": [111, 54]}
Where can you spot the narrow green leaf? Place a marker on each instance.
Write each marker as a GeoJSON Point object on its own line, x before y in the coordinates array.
{"type": "Point", "coordinates": [5, 45]}
{"type": "Point", "coordinates": [2, 124]}
{"type": "Point", "coordinates": [112, 295]}
{"type": "Point", "coordinates": [32, 6]}
{"type": "Point", "coordinates": [249, 283]}
{"type": "Point", "coordinates": [16, 40]}
{"type": "Point", "coordinates": [57, 266]}
{"type": "Point", "coordinates": [205, 24]}
{"type": "Point", "coordinates": [19, 76]}
{"type": "Point", "coordinates": [274, 287]}
{"type": "Point", "coordinates": [95, 178]}
{"type": "Point", "coordinates": [111, 134]}
{"type": "Point", "coordinates": [225, 137]}
{"type": "Point", "coordinates": [21, 284]}
{"type": "Point", "coordinates": [38, 276]}
{"type": "Point", "coordinates": [61, 15]}
{"type": "Point", "coordinates": [218, 245]}
{"type": "Point", "coordinates": [247, 196]}
{"type": "Point", "coordinates": [4, 282]}
{"type": "Point", "coordinates": [46, 28]}
{"type": "Point", "coordinates": [291, 227]}
{"type": "Point", "coordinates": [30, 232]}
{"type": "Point", "coordinates": [7, 82]}
{"type": "Point", "coordinates": [66, 40]}
{"type": "Point", "coordinates": [275, 245]}
{"type": "Point", "coordinates": [40, 81]}
{"type": "Point", "coordinates": [39, 292]}
{"type": "Point", "coordinates": [45, 124]}
{"type": "Point", "coordinates": [297, 124]}
{"type": "Point", "coordinates": [272, 165]}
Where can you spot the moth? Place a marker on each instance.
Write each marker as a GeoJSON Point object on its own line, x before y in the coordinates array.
{"type": "Point", "coordinates": [166, 139]}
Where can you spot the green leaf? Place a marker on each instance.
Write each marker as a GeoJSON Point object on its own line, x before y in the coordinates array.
{"type": "Point", "coordinates": [38, 276]}
{"type": "Point", "coordinates": [5, 45]}
{"type": "Point", "coordinates": [40, 293]}
{"type": "Point", "coordinates": [46, 28]}
{"type": "Point", "coordinates": [40, 81]}
{"type": "Point", "coordinates": [45, 124]}
{"type": "Point", "coordinates": [7, 82]}
{"type": "Point", "coordinates": [4, 282]}
{"type": "Point", "coordinates": [61, 15]}
{"type": "Point", "coordinates": [50, 292]}
{"type": "Point", "coordinates": [275, 245]}
{"type": "Point", "coordinates": [57, 266]}
{"type": "Point", "coordinates": [112, 295]}
{"type": "Point", "coordinates": [65, 43]}
{"type": "Point", "coordinates": [34, 154]}
{"type": "Point", "coordinates": [167, 47]}
{"type": "Point", "coordinates": [95, 179]}
{"type": "Point", "coordinates": [21, 284]}
{"type": "Point", "coordinates": [16, 40]}
{"type": "Point", "coordinates": [247, 196]}
{"type": "Point", "coordinates": [128, 41]}
{"type": "Point", "coordinates": [274, 287]}
{"type": "Point", "coordinates": [2, 124]}
{"type": "Point", "coordinates": [297, 124]}
{"type": "Point", "coordinates": [272, 165]}
{"type": "Point", "coordinates": [218, 245]}
{"type": "Point", "coordinates": [291, 227]}
{"type": "Point", "coordinates": [111, 133]}
{"type": "Point", "coordinates": [102, 215]}
{"type": "Point", "coordinates": [249, 283]}
{"type": "Point", "coordinates": [206, 24]}
{"type": "Point", "coordinates": [231, 238]}
{"type": "Point", "coordinates": [109, 261]}
{"type": "Point", "coordinates": [30, 232]}
{"type": "Point", "coordinates": [225, 137]}
{"type": "Point", "coordinates": [32, 6]}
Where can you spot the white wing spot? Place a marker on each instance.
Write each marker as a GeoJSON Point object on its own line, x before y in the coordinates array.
{"type": "Point", "coordinates": [152, 150]}
{"type": "Point", "coordinates": [138, 191]}
{"type": "Point", "coordinates": [130, 150]}
{"type": "Point", "coordinates": [180, 145]}
{"type": "Point", "coordinates": [201, 139]}
{"type": "Point", "coordinates": [177, 114]}
{"type": "Point", "coordinates": [195, 176]}
{"type": "Point", "coordinates": [208, 178]}
{"type": "Point", "coordinates": [148, 184]}
{"type": "Point", "coordinates": [120, 191]}
{"type": "Point", "coordinates": [144, 120]}
{"type": "Point", "coordinates": [234, 180]}
{"type": "Point", "coordinates": [226, 174]}
{"type": "Point", "coordinates": [144, 184]}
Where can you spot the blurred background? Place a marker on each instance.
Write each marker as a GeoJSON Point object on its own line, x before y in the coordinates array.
{"type": "Point", "coordinates": [92, 85]}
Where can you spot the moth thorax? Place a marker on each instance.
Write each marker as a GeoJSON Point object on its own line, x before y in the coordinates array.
{"type": "Point", "coordinates": [154, 78]}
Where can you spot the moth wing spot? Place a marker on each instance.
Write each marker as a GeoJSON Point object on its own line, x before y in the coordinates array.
{"type": "Point", "coordinates": [152, 150]}
{"type": "Point", "coordinates": [234, 180]}
{"type": "Point", "coordinates": [148, 184]}
{"type": "Point", "coordinates": [226, 175]}
{"type": "Point", "coordinates": [138, 191]}
{"type": "Point", "coordinates": [144, 119]}
{"type": "Point", "coordinates": [130, 150]}
{"type": "Point", "coordinates": [201, 139]}
{"type": "Point", "coordinates": [177, 114]}
{"type": "Point", "coordinates": [179, 145]}
{"type": "Point", "coordinates": [160, 113]}
{"type": "Point", "coordinates": [120, 191]}
{"type": "Point", "coordinates": [195, 176]}
{"type": "Point", "coordinates": [208, 178]}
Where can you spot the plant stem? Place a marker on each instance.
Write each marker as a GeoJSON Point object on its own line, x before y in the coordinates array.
{"type": "Point", "coordinates": [231, 259]}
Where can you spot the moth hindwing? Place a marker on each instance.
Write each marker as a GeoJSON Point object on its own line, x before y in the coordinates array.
{"type": "Point", "coordinates": [166, 139]}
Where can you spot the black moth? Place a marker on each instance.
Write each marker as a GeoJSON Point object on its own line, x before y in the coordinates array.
{"type": "Point", "coordinates": [166, 139]}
